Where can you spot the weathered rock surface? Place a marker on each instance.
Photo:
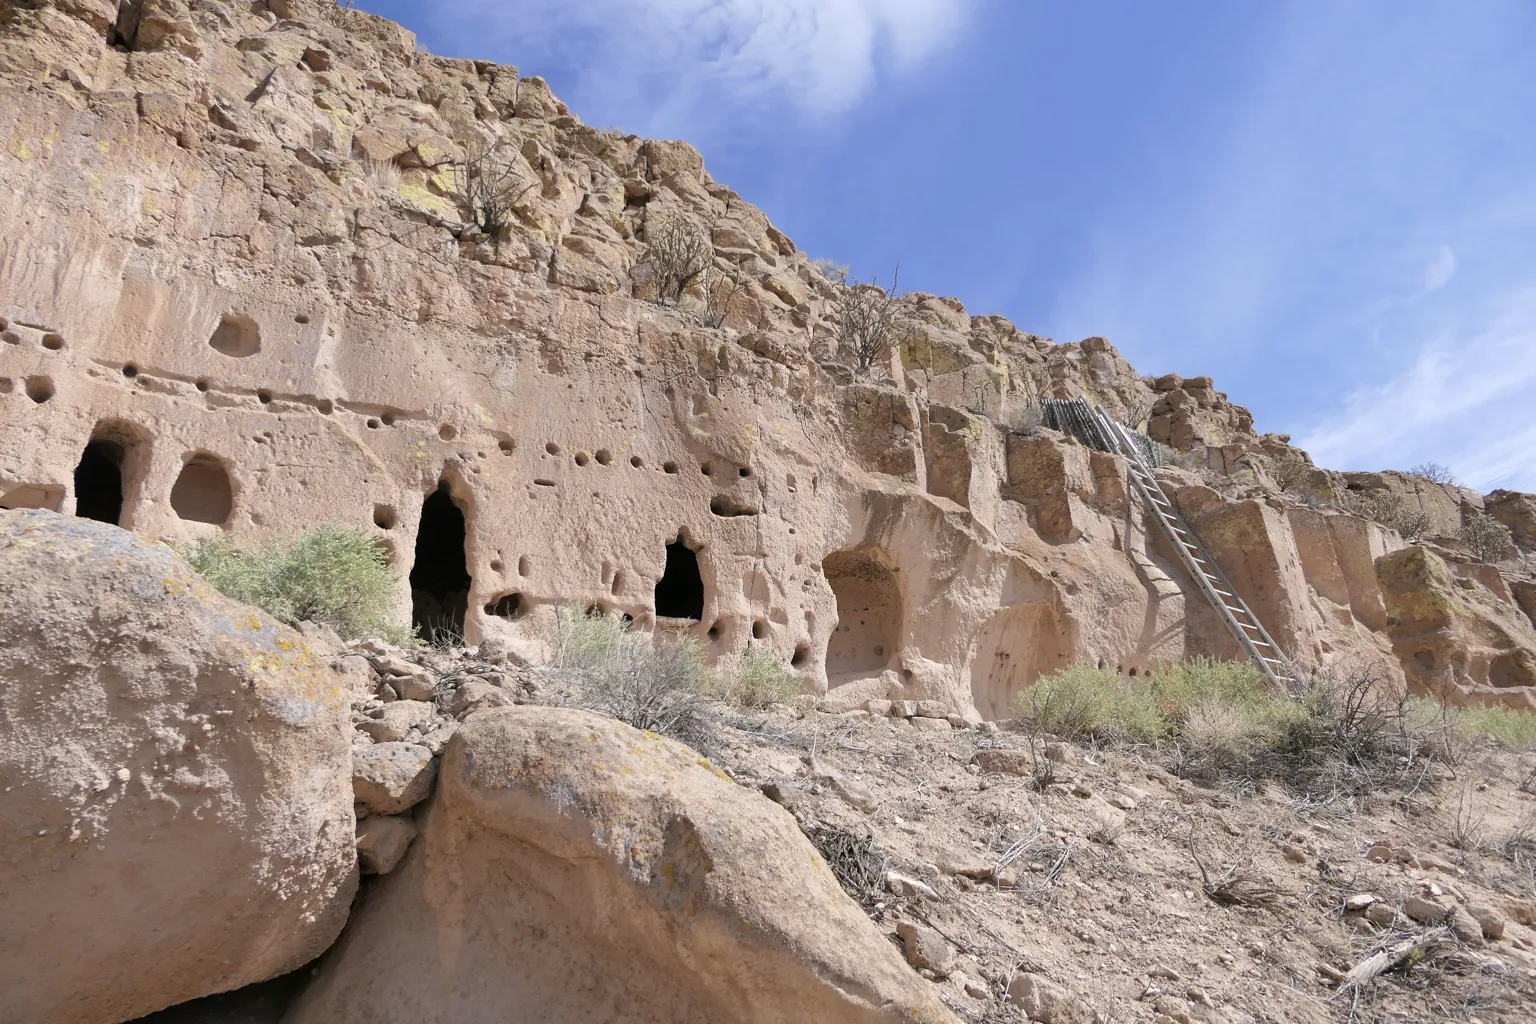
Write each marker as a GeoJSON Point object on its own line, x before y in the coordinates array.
{"type": "Point", "coordinates": [177, 816]}
{"type": "Point", "coordinates": [571, 868]}
{"type": "Point", "coordinates": [1453, 635]}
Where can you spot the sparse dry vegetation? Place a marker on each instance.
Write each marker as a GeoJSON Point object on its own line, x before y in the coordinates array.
{"type": "Point", "coordinates": [869, 321]}
{"type": "Point", "coordinates": [1217, 720]}
{"type": "Point", "coordinates": [1485, 538]}
{"type": "Point", "coordinates": [680, 255]}
{"type": "Point", "coordinates": [653, 683]}
{"type": "Point", "coordinates": [1388, 509]}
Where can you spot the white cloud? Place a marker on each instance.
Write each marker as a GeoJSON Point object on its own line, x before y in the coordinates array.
{"type": "Point", "coordinates": [672, 63]}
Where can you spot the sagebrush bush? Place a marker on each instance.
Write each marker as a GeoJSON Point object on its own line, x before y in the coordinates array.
{"type": "Point", "coordinates": [659, 683]}
{"type": "Point", "coordinates": [331, 574]}
{"type": "Point", "coordinates": [759, 681]}
{"type": "Point", "coordinates": [1349, 732]}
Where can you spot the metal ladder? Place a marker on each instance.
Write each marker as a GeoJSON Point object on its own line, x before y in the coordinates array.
{"type": "Point", "coordinates": [1240, 620]}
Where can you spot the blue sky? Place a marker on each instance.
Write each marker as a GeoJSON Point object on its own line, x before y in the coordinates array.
{"type": "Point", "coordinates": [1330, 207]}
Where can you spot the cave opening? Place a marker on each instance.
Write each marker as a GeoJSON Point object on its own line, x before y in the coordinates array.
{"type": "Point", "coordinates": [99, 482]}
{"type": "Point", "coordinates": [680, 591]}
{"type": "Point", "coordinates": [439, 573]}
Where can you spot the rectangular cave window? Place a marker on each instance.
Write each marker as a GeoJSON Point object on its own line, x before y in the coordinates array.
{"type": "Point", "coordinates": [440, 577]}
{"type": "Point", "coordinates": [680, 591]}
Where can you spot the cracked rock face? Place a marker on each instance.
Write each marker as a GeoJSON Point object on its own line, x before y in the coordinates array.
{"type": "Point", "coordinates": [177, 809]}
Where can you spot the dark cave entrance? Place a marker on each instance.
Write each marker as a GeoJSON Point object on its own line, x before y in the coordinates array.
{"type": "Point", "coordinates": [680, 591]}
{"type": "Point", "coordinates": [439, 576]}
{"type": "Point", "coordinates": [99, 482]}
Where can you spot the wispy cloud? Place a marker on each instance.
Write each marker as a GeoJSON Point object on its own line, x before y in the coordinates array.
{"type": "Point", "coordinates": [699, 64]}
{"type": "Point", "coordinates": [1465, 402]}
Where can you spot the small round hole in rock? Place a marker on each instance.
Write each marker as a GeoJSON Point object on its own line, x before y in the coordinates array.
{"type": "Point", "coordinates": [264, 396]}
{"type": "Point", "coordinates": [202, 385]}
{"type": "Point", "coordinates": [301, 319]}
{"type": "Point", "coordinates": [507, 446]}
{"type": "Point", "coordinates": [496, 566]}
{"type": "Point", "coordinates": [52, 342]}
{"type": "Point", "coordinates": [388, 419]}
{"type": "Point", "coordinates": [706, 470]}
{"type": "Point", "coordinates": [744, 471]}
{"type": "Point", "coordinates": [39, 389]}
{"type": "Point", "coordinates": [801, 656]}
{"type": "Point", "coordinates": [384, 517]}
{"type": "Point", "coordinates": [129, 370]}
{"type": "Point", "coordinates": [552, 448]}
{"type": "Point", "coordinates": [669, 467]}
{"type": "Point", "coordinates": [325, 407]}
{"type": "Point", "coordinates": [447, 432]}
{"type": "Point", "coordinates": [759, 629]}
{"type": "Point", "coordinates": [582, 459]}
{"type": "Point", "coordinates": [603, 457]}
{"type": "Point", "coordinates": [373, 424]}
{"type": "Point", "coordinates": [637, 461]}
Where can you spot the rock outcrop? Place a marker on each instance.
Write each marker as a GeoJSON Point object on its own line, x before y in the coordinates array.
{"type": "Point", "coordinates": [243, 293]}
{"type": "Point", "coordinates": [1457, 638]}
{"type": "Point", "coordinates": [177, 814]}
{"type": "Point", "coordinates": [571, 868]}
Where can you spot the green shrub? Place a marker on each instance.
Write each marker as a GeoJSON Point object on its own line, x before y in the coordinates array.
{"type": "Point", "coordinates": [760, 680]}
{"type": "Point", "coordinates": [330, 574]}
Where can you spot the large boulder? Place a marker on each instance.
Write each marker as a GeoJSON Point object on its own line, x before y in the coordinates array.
{"type": "Point", "coordinates": [177, 816]}
{"type": "Point", "coordinates": [573, 869]}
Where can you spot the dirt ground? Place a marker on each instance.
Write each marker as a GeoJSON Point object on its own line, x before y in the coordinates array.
{"type": "Point", "coordinates": [1092, 885]}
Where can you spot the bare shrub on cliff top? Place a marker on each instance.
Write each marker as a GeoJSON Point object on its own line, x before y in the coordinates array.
{"type": "Point", "coordinates": [1291, 471]}
{"type": "Point", "coordinates": [1434, 472]}
{"type": "Point", "coordinates": [680, 254]}
{"type": "Point", "coordinates": [1388, 509]}
{"type": "Point", "coordinates": [488, 185]}
{"type": "Point", "coordinates": [869, 322]}
{"type": "Point", "coordinates": [1484, 537]}
{"type": "Point", "coordinates": [330, 574]}
{"type": "Point", "coordinates": [1024, 418]}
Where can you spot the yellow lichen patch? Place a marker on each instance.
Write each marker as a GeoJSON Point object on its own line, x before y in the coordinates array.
{"type": "Point", "coordinates": [20, 150]}
{"type": "Point", "coordinates": [424, 198]}
{"type": "Point", "coordinates": [102, 145]}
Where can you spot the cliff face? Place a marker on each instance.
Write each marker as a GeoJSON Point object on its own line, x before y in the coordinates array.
{"type": "Point", "coordinates": [241, 295]}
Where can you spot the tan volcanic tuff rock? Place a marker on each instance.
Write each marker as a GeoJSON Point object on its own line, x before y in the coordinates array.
{"type": "Point", "coordinates": [1454, 635]}
{"type": "Point", "coordinates": [562, 847]}
{"type": "Point", "coordinates": [177, 817]}
{"type": "Point", "coordinates": [240, 298]}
